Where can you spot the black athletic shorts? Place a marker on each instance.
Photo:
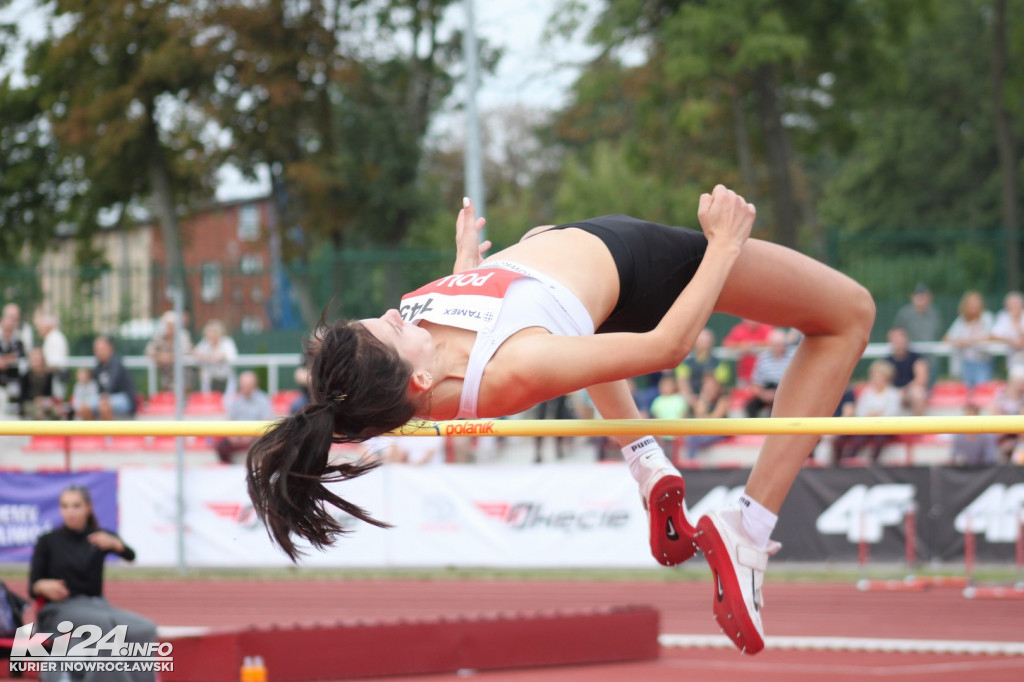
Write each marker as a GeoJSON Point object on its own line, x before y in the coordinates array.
{"type": "Point", "coordinates": [655, 263]}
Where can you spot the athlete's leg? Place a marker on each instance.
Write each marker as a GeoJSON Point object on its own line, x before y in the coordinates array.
{"type": "Point", "coordinates": [662, 488]}
{"type": "Point", "coordinates": [778, 286]}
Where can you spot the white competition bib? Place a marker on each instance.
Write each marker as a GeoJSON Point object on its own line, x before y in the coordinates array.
{"type": "Point", "coordinates": [467, 300]}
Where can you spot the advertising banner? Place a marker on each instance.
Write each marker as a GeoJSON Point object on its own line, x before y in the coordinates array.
{"type": "Point", "coordinates": [221, 527]}
{"type": "Point", "coordinates": [29, 507]}
{"type": "Point", "coordinates": [576, 516]}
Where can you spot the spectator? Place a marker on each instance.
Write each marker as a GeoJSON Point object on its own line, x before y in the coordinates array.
{"type": "Point", "coordinates": [769, 367]}
{"type": "Point", "coordinates": [750, 338]}
{"type": "Point", "coordinates": [556, 408]}
{"type": "Point", "coordinates": [12, 311]}
{"type": "Point", "coordinates": [974, 449]}
{"type": "Point", "coordinates": [879, 398]}
{"type": "Point", "coordinates": [86, 391]}
{"type": "Point", "coordinates": [670, 404]}
{"type": "Point", "coordinates": [117, 389]}
{"type": "Point", "coordinates": [302, 381]}
{"type": "Point", "coordinates": [160, 350]}
{"type": "Point", "coordinates": [67, 572]}
{"type": "Point", "coordinates": [249, 403]}
{"type": "Point", "coordinates": [55, 350]}
{"type": "Point", "coordinates": [712, 402]}
{"type": "Point", "coordinates": [215, 354]}
{"type": "Point", "coordinates": [37, 399]}
{"type": "Point", "coordinates": [12, 355]}
{"type": "Point", "coordinates": [1009, 329]}
{"type": "Point", "coordinates": [1009, 400]}
{"type": "Point", "coordinates": [968, 335]}
{"type": "Point", "coordinates": [701, 360]}
{"type": "Point", "coordinates": [919, 318]}
{"type": "Point", "coordinates": [911, 372]}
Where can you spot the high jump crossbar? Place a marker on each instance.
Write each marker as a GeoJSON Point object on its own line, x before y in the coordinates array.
{"type": "Point", "coordinates": [554, 427]}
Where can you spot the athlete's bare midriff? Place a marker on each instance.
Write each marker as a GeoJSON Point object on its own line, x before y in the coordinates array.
{"type": "Point", "coordinates": [578, 260]}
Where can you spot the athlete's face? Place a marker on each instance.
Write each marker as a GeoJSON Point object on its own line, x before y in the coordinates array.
{"type": "Point", "coordinates": [413, 343]}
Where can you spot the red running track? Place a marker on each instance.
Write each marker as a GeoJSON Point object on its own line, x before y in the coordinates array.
{"type": "Point", "coordinates": [794, 609]}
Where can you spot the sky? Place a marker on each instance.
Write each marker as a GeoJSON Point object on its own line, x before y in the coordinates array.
{"type": "Point", "coordinates": [531, 74]}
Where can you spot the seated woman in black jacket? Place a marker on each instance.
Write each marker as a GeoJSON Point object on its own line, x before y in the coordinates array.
{"type": "Point", "coordinates": [67, 571]}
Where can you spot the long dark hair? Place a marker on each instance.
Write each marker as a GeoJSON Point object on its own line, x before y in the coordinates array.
{"type": "Point", "coordinates": [358, 389]}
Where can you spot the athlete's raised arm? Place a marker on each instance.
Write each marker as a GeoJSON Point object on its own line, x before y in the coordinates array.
{"type": "Point", "coordinates": [469, 250]}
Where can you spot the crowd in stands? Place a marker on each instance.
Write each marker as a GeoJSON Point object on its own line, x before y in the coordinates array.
{"type": "Point", "coordinates": [35, 381]}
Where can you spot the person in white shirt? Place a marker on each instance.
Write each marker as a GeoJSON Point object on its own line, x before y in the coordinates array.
{"type": "Point", "coordinates": [879, 398]}
{"type": "Point", "coordinates": [55, 350]}
{"type": "Point", "coordinates": [215, 353]}
{"type": "Point", "coordinates": [1009, 329]}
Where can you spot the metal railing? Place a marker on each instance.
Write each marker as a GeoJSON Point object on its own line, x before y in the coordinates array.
{"type": "Point", "coordinates": [275, 362]}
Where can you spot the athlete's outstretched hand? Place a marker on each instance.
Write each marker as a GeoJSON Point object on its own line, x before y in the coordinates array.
{"type": "Point", "coordinates": [469, 250]}
{"type": "Point", "coordinates": [725, 216]}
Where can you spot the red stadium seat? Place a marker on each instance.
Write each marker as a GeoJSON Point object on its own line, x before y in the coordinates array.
{"type": "Point", "coordinates": [128, 443]}
{"type": "Point", "coordinates": [88, 443]}
{"type": "Point", "coordinates": [948, 394]}
{"type": "Point", "coordinates": [47, 444]}
{"type": "Point", "coordinates": [282, 401]}
{"type": "Point", "coordinates": [205, 403]}
{"type": "Point", "coordinates": [158, 404]}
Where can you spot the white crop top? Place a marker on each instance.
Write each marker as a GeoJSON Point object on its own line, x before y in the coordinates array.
{"type": "Point", "coordinates": [496, 301]}
{"type": "Point", "coordinates": [535, 300]}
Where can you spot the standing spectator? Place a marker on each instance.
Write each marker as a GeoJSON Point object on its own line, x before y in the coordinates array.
{"type": "Point", "coordinates": [920, 318]}
{"type": "Point", "coordinates": [23, 331]}
{"type": "Point", "coordinates": [67, 573]}
{"type": "Point", "coordinates": [55, 350]}
{"type": "Point", "coordinates": [215, 354]}
{"type": "Point", "coordinates": [12, 355]}
{"type": "Point", "coordinates": [160, 350]}
{"type": "Point", "coordinates": [699, 362]}
{"type": "Point", "coordinates": [968, 335]}
{"type": "Point", "coordinates": [1009, 329]}
{"type": "Point", "coordinates": [750, 338]}
{"type": "Point", "coordinates": [974, 449]}
{"type": "Point", "coordinates": [117, 389]}
{"type": "Point", "coordinates": [86, 391]}
{"type": "Point", "coordinates": [879, 398]}
{"type": "Point", "coordinates": [769, 366]}
{"type": "Point", "coordinates": [249, 403]}
{"type": "Point", "coordinates": [911, 372]}
{"type": "Point", "coordinates": [37, 399]}
{"type": "Point", "coordinates": [712, 402]}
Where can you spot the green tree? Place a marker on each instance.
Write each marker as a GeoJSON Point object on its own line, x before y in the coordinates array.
{"type": "Point", "coordinates": [753, 88]}
{"type": "Point", "coordinates": [114, 98]}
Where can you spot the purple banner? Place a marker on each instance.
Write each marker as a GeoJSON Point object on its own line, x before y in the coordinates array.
{"type": "Point", "coordinates": [29, 507]}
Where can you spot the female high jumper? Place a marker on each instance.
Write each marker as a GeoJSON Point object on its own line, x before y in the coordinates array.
{"type": "Point", "coordinates": [586, 304]}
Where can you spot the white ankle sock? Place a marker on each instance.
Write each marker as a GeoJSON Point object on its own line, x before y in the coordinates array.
{"type": "Point", "coordinates": [645, 450]}
{"type": "Point", "coordinates": [758, 522]}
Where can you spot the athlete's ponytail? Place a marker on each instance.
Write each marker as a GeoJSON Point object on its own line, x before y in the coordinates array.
{"type": "Point", "coordinates": [358, 389]}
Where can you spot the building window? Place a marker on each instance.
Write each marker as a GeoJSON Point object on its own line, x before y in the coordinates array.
{"type": "Point", "coordinates": [252, 324]}
{"type": "Point", "coordinates": [212, 281]}
{"type": "Point", "coordinates": [251, 264]}
{"type": "Point", "coordinates": [257, 294]}
{"type": "Point", "coordinates": [249, 222]}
